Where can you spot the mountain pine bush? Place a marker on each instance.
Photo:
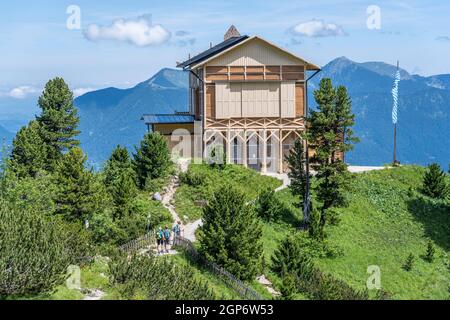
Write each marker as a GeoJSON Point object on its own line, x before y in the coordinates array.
{"type": "Point", "coordinates": [429, 255]}
{"type": "Point", "coordinates": [35, 251]}
{"type": "Point", "coordinates": [409, 262]}
{"type": "Point", "coordinates": [156, 279]}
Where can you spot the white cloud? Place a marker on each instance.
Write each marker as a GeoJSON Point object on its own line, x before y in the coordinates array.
{"type": "Point", "coordinates": [80, 91]}
{"type": "Point", "coordinates": [140, 32]}
{"type": "Point", "coordinates": [318, 28]}
{"type": "Point", "coordinates": [22, 92]}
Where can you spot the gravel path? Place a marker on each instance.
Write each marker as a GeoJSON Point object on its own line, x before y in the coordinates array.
{"type": "Point", "coordinates": [168, 202]}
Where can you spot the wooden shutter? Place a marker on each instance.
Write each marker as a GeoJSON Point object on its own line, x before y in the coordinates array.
{"type": "Point", "coordinates": [299, 100]}
{"type": "Point", "coordinates": [211, 101]}
{"type": "Point", "coordinates": [288, 100]}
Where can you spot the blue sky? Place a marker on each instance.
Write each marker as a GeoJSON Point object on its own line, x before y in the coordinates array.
{"type": "Point", "coordinates": [36, 45]}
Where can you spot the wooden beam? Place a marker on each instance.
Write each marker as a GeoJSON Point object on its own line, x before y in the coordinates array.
{"type": "Point", "coordinates": [264, 153]}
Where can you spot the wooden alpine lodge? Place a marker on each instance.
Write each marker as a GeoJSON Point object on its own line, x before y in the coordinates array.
{"type": "Point", "coordinates": [248, 94]}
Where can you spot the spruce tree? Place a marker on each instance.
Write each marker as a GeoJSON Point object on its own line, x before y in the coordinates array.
{"type": "Point", "coordinates": [29, 153]}
{"type": "Point", "coordinates": [231, 234]}
{"type": "Point", "coordinates": [298, 175]}
{"type": "Point", "coordinates": [152, 158]}
{"type": "Point", "coordinates": [434, 182]}
{"type": "Point", "coordinates": [330, 136]}
{"type": "Point", "coordinates": [268, 206]}
{"type": "Point", "coordinates": [118, 162]}
{"type": "Point", "coordinates": [123, 191]}
{"type": "Point", "coordinates": [80, 194]}
{"type": "Point", "coordinates": [289, 257]}
{"type": "Point", "coordinates": [58, 119]}
{"type": "Point", "coordinates": [288, 286]}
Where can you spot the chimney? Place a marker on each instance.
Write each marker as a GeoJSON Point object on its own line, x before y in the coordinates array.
{"type": "Point", "coordinates": [231, 33]}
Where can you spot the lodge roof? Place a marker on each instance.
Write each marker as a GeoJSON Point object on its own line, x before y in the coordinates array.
{"type": "Point", "coordinates": [167, 118]}
{"type": "Point", "coordinates": [233, 39]}
{"type": "Point", "coordinates": [212, 51]}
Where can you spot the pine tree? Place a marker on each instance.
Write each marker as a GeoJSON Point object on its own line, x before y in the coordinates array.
{"type": "Point", "coordinates": [29, 153]}
{"type": "Point", "coordinates": [118, 162]}
{"type": "Point", "coordinates": [80, 193]}
{"type": "Point", "coordinates": [429, 256]}
{"type": "Point", "coordinates": [330, 136]}
{"type": "Point", "coordinates": [58, 119]}
{"type": "Point", "coordinates": [123, 191]}
{"type": "Point", "coordinates": [298, 175]}
{"type": "Point", "coordinates": [231, 234]}
{"type": "Point", "coordinates": [152, 159]}
{"type": "Point", "coordinates": [434, 182]}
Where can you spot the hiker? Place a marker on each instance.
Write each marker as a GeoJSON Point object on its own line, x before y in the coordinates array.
{"type": "Point", "coordinates": [166, 237]}
{"type": "Point", "coordinates": [176, 230]}
{"type": "Point", "coordinates": [159, 240]}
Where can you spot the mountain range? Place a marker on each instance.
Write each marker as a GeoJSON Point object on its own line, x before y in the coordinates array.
{"type": "Point", "coordinates": [112, 116]}
{"type": "Point", "coordinates": [424, 112]}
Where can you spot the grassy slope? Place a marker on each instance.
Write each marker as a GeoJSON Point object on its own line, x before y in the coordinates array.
{"type": "Point", "coordinates": [249, 181]}
{"type": "Point", "coordinates": [386, 220]}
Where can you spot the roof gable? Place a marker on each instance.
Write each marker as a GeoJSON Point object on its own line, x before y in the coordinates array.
{"type": "Point", "coordinates": [212, 51]}
{"type": "Point", "coordinates": [254, 51]}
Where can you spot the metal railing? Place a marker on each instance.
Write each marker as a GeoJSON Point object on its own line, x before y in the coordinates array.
{"type": "Point", "coordinates": [230, 280]}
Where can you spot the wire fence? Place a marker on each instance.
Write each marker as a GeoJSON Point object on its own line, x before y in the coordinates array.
{"type": "Point", "coordinates": [230, 280]}
{"type": "Point", "coordinates": [143, 242]}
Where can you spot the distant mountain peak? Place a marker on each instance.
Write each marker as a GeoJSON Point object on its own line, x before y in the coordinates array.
{"type": "Point", "coordinates": [339, 64]}
{"type": "Point", "coordinates": [167, 78]}
{"type": "Point", "coordinates": [381, 68]}
{"type": "Point", "coordinates": [385, 69]}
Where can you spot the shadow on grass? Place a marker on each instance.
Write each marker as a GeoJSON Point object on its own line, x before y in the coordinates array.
{"type": "Point", "coordinates": [434, 215]}
{"type": "Point", "coordinates": [292, 215]}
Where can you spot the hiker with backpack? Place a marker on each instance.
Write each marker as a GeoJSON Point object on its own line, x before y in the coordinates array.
{"type": "Point", "coordinates": [159, 240]}
{"type": "Point", "coordinates": [166, 237]}
{"type": "Point", "coordinates": [176, 230]}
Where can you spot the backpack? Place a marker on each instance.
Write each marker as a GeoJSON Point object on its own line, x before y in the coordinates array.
{"type": "Point", "coordinates": [159, 235]}
{"type": "Point", "coordinates": [176, 229]}
{"type": "Point", "coordinates": [167, 234]}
